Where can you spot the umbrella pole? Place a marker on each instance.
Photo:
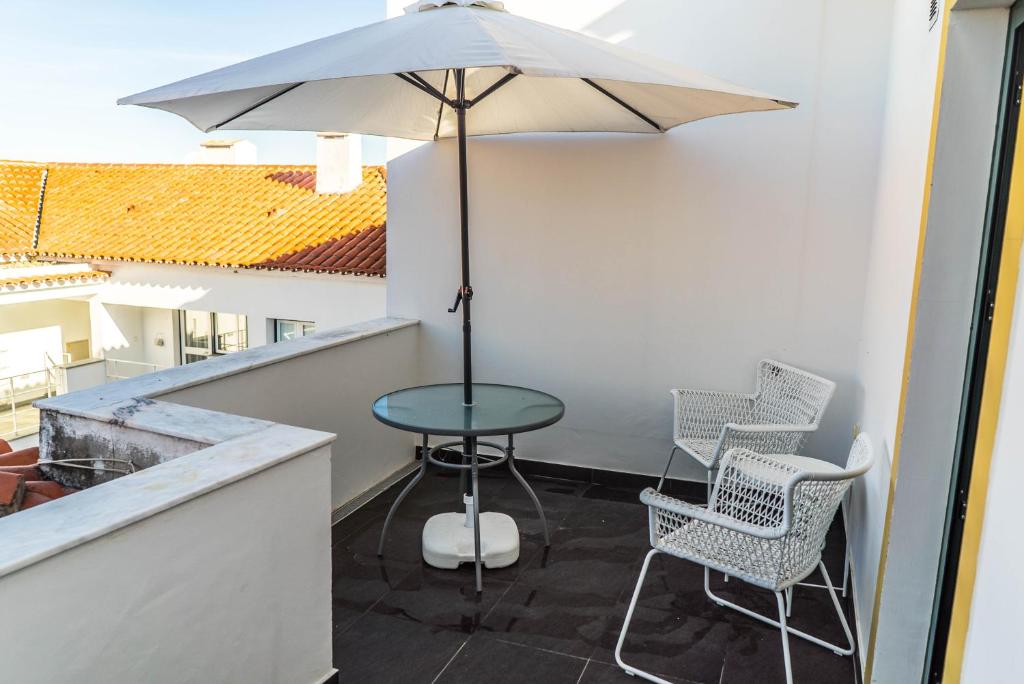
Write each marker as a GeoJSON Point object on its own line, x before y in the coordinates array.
{"type": "Point", "coordinates": [466, 292]}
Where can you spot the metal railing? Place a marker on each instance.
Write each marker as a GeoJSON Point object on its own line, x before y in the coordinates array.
{"type": "Point", "coordinates": [119, 369]}
{"type": "Point", "coordinates": [17, 392]}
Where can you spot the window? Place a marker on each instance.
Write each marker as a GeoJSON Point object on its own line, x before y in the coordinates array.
{"type": "Point", "coordinates": [289, 330]}
{"type": "Point", "coordinates": [232, 334]}
{"type": "Point", "coordinates": [205, 334]}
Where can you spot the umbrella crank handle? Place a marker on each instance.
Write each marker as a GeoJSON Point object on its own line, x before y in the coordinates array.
{"type": "Point", "coordinates": [463, 293]}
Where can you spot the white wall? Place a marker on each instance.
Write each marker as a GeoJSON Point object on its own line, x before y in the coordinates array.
{"type": "Point", "coordinates": [231, 586]}
{"type": "Point", "coordinates": [328, 300]}
{"type": "Point", "coordinates": [956, 215]}
{"type": "Point", "coordinates": [117, 331]}
{"type": "Point", "coordinates": [330, 387]}
{"type": "Point", "coordinates": [609, 269]}
{"type": "Point", "coordinates": [992, 653]}
{"type": "Point", "coordinates": [893, 253]}
{"type": "Point", "coordinates": [31, 328]}
{"type": "Point", "coordinates": [158, 325]}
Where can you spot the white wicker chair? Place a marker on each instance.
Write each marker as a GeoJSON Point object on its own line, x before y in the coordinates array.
{"type": "Point", "coordinates": [765, 524]}
{"type": "Point", "coordinates": [786, 405]}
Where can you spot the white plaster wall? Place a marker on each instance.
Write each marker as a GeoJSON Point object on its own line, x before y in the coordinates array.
{"type": "Point", "coordinates": [28, 329]}
{"type": "Point", "coordinates": [328, 300]}
{"type": "Point", "coordinates": [159, 324]}
{"type": "Point", "coordinates": [117, 331]}
{"type": "Point", "coordinates": [891, 264]}
{"type": "Point", "coordinates": [206, 591]}
{"type": "Point", "coordinates": [332, 390]}
{"type": "Point", "coordinates": [960, 184]}
{"type": "Point", "coordinates": [992, 653]}
{"type": "Point", "coordinates": [609, 269]}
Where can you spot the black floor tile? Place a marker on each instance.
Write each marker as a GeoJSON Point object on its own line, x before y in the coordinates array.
{"type": "Point", "coordinates": [603, 673]}
{"type": "Point", "coordinates": [442, 599]}
{"type": "Point", "coordinates": [559, 621]}
{"type": "Point", "coordinates": [359, 582]}
{"type": "Point", "coordinates": [380, 648]}
{"type": "Point", "coordinates": [557, 613]}
{"type": "Point", "coordinates": [502, 662]}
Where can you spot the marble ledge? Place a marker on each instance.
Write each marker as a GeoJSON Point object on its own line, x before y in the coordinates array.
{"type": "Point", "coordinates": [38, 533]}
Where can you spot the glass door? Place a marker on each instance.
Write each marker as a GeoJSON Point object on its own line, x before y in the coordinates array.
{"type": "Point", "coordinates": [205, 334]}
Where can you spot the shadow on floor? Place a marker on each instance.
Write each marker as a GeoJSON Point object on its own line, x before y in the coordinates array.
{"type": "Point", "coordinates": [555, 615]}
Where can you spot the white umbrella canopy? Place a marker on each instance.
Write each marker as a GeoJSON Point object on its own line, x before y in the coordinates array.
{"type": "Point", "coordinates": [418, 76]}
{"type": "Point", "coordinates": [552, 80]}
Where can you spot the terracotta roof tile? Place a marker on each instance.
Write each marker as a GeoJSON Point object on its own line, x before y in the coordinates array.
{"type": "Point", "coordinates": [20, 183]}
{"type": "Point", "coordinates": [248, 216]}
{"type": "Point", "coordinates": [84, 276]}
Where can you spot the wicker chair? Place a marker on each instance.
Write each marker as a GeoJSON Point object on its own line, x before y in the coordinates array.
{"type": "Point", "coordinates": [765, 524]}
{"type": "Point", "coordinates": [786, 405]}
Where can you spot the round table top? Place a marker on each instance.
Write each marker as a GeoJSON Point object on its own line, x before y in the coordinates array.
{"type": "Point", "coordinates": [496, 410]}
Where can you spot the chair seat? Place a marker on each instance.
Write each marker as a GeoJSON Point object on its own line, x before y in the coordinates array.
{"type": "Point", "coordinates": [749, 558]}
{"type": "Point", "coordinates": [701, 449]}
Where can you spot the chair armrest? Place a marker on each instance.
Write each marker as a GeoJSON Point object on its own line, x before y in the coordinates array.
{"type": "Point", "coordinates": [660, 502]}
{"type": "Point", "coordinates": [5, 447]}
{"type": "Point", "coordinates": [701, 414]}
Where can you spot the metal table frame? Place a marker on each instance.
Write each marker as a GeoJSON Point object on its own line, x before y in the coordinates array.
{"type": "Point", "coordinates": [473, 463]}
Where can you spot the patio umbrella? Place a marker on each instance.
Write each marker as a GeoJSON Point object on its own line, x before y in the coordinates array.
{"type": "Point", "coordinates": [454, 68]}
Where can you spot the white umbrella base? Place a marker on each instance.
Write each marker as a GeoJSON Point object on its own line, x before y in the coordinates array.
{"type": "Point", "coordinates": [448, 541]}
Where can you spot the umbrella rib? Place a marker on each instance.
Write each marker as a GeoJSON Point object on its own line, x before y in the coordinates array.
{"type": "Point", "coordinates": [417, 82]}
{"type": "Point", "coordinates": [257, 105]}
{"type": "Point", "coordinates": [440, 107]}
{"type": "Point", "coordinates": [494, 86]}
{"type": "Point", "coordinates": [625, 105]}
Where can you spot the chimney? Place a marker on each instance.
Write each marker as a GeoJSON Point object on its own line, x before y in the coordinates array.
{"type": "Point", "coordinates": [225, 152]}
{"type": "Point", "coordinates": [339, 162]}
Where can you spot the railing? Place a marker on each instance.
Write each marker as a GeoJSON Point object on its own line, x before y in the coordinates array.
{"type": "Point", "coordinates": [17, 392]}
{"type": "Point", "coordinates": [119, 369]}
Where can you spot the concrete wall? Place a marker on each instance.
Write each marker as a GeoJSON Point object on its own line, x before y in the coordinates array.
{"type": "Point", "coordinates": [328, 300]}
{"type": "Point", "coordinates": [330, 390]}
{"type": "Point", "coordinates": [609, 269]}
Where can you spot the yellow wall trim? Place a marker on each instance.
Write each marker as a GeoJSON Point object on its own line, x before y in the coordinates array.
{"type": "Point", "coordinates": [922, 231]}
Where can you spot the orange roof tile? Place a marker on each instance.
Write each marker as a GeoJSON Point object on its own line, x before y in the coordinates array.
{"type": "Point", "coordinates": [84, 276]}
{"type": "Point", "coordinates": [248, 216]}
{"type": "Point", "coordinates": [20, 183]}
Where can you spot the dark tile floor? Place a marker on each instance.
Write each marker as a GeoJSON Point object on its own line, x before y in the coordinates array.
{"type": "Point", "coordinates": [555, 615]}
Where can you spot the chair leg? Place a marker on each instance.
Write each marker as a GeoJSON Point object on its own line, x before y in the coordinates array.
{"type": "Point", "coordinates": [838, 650]}
{"type": "Point", "coordinates": [632, 671]}
{"type": "Point", "coordinates": [668, 465]}
{"type": "Point", "coordinates": [789, 601]}
{"type": "Point", "coordinates": [785, 636]}
{"type": "Point", "coordinates": [846, 567]}
{"type": "Point", "coordinates": [710, 488]}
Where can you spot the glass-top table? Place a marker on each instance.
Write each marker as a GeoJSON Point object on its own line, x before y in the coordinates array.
{"type": "Point", "coordinates": [496, 410]}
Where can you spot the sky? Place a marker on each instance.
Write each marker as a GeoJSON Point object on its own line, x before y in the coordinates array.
{"type": "Point", "coordinates": [64, 63]}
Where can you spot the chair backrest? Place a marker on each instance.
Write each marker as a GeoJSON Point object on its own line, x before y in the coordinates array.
{"type": "Point", "coordinates": [788, 395]}
{"type": "Point", "coordinates": [813, 502]}
{"type": "Point", "coordinates": [760, 490]}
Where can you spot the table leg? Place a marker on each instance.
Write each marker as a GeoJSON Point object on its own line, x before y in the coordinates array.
{"type": "Point", "coordinates": [405, 491]}
{"type": "Point", "coordinates": [470, 445]}
{"type": "Point", "coordinates": [529, 490]}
